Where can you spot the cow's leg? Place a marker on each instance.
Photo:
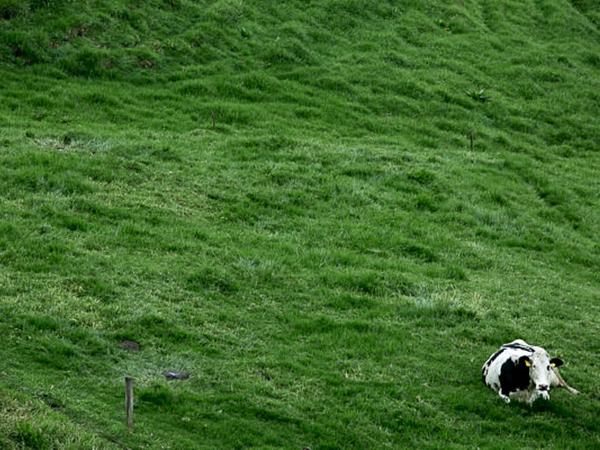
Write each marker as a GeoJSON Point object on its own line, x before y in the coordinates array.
{"type": "Point", "coordinates": [532, 397]}
{"type": "Point", "coordinates": [504, 397]}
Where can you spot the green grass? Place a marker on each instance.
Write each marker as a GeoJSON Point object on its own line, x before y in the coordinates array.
{"type": "Point", "coordinates": [283, 201]}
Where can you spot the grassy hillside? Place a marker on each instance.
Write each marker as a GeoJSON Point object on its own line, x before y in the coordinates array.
{"type": "Point", "coordinates": [328, 213]}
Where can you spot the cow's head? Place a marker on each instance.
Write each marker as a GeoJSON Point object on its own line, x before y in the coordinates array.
{"type": "Point", "coordinates": [541, 373]}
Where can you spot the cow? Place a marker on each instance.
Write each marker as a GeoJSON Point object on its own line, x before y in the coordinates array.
{"type": "Point", "coordinates": [523, 372]}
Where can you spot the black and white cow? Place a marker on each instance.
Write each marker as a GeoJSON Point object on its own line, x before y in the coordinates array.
{"type": "Point", "coordinates": [523, 372]}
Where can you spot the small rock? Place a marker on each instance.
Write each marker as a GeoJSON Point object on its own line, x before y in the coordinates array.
{"type": "Point", "coordinates": [130, 345]}
{"type": "Point", "coordinates": [172, 375]}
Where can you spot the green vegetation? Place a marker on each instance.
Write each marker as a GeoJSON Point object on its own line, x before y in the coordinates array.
{"type": "Point", "coordinates": [329, 213]}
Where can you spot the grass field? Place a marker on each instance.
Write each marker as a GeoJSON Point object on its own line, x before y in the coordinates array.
{"type": "Point", "coordinates": [329, 213]}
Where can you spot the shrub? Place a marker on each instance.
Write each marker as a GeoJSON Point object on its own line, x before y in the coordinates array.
{"type": "Point", "coordinates": [24, 47]}
{"type": "Point", "coordinates": [86, 62]}
{"type": "Point", "coordinates": [9, 9]}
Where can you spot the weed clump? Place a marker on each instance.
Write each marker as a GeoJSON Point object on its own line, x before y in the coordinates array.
{"type": "Point", "coordinates": [86, 62]}
{"type": "Point", "coordinates": [157, 395]}
{"type": "Point", "coordinates": [207, 279]}
{"type": "Point", "coordinates": [23, 48]}
{"type": "Point", "coordinates": [478, 95]}
{"type": "Point", "coordinates": [28, 436]}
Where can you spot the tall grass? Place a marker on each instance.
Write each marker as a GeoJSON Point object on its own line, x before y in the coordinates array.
{"type": "Point", "coordinates": [328, 213]}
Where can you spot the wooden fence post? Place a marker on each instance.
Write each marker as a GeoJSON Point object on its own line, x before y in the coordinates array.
{"type": "Point", "coordinates": [129, 402]}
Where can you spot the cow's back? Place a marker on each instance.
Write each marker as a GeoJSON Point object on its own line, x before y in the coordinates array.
{"type": "Point", "coordinates": [501, 368]}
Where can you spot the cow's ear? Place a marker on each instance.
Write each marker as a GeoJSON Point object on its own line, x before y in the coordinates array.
{"type": "Point", "coordinates": [556, 362]}
{"type": "Point", "coordinates": [525, 361]}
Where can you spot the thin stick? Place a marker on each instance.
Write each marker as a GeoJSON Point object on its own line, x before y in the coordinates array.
{"type": "Point", "coordinates": [129, 402]}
